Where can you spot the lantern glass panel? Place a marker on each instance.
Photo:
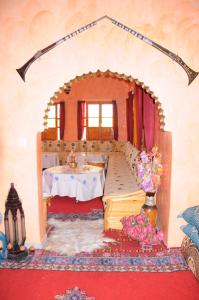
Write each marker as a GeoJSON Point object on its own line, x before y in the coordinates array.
{"type": "Point", "coordinates": [19, 225]}
{"type": "Point", "coordinates": [11, 227]}
{"type": "Point", "coordinates": [23, 229]}
{"type": "Point", "coordinates": [7, 232]}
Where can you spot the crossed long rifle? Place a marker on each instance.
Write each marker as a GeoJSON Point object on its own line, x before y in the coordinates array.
{"type": "Point", "coordinates": [190, 73]}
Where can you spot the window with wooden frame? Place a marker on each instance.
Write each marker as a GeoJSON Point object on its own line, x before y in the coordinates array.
{"type": "Point", "coordinates": [99, 121]}
{"type": "Point", "coordinates": [53, 130]}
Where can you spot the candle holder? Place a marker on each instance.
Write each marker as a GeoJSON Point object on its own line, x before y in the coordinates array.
{"type": "Point", "coordinates": [72, 160]}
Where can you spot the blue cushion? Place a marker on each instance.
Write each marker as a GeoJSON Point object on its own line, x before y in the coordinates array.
{"type": "Point", "coordinates": [192, 232]}
{"type": "Point", "coordinates": [191, 216]}
{"type": "Point", "coordinates": [3, 251]}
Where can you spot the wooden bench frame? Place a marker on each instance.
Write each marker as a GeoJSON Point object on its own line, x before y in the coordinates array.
{"type": "Point", "coordinates": [118, 206]}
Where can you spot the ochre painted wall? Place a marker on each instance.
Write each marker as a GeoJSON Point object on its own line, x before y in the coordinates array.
{"type": "Point", "coordinates": [32, 25]}
{"type": "Point", "coordinates": [96, 89]}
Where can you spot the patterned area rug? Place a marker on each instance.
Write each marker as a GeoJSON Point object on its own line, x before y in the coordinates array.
{"type": "Point", "coordinates": [170, 260]}
{"type": "Point", "coordinates": [124, 256]}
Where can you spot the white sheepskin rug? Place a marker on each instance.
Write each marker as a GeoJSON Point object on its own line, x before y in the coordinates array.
{"type": "Point", "coordinates": [70, 238]}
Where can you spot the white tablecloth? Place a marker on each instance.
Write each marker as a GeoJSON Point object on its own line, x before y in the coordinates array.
{"type": "Point", "coordinates": [84, 182]}
{"type": "Point", "coordinates": [84, 157]}
{"type": "Point", "coordinates": [50, 159]}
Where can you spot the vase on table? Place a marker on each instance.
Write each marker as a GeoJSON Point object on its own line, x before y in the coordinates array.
{"type": "Point", "coordinates": [72, 160]}
{"type": "Point", "coordinates": [150, 208]}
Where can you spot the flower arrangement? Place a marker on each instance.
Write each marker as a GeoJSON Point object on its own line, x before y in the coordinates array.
{"type": "Point", "coordinates": [149, 170]}
{"type": "Point", "coordinates": [139, 228]}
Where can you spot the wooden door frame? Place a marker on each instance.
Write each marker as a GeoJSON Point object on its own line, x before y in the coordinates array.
{"type": "Point", "coordinates": [100, 119]}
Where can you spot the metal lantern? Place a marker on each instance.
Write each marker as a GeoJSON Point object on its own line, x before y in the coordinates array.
{"type": "Point", "coordinates": [14, 221]}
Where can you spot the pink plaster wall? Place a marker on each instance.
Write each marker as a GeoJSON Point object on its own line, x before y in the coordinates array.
{"type": "Point", "coordinates": [96, 88]}
{"type": "Point", "coordinates": [164, 143]}
{"type": "Point", "coordinates": [42, 204]}
{"type": "Point", "coordinates": [30, 25]}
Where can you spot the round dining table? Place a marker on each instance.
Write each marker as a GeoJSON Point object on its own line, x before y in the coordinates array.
{"type": "Point", "coordinates": [84, 182]}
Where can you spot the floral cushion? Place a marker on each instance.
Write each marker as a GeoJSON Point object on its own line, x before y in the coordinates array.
{"type": "Point", "coordinates": [192, 232]}
{"type": "Point", "coordinates": [63, 158]}
{"type": "Point", "coordinates": [53, 146]}
{"type": "Point", "coordinates": [191, 216]}
{"type": "Point", "coordinates": [119, 146]}
{"type": "Point", "coordinates": [106, 146]}
{"type": "Point", "coordinates": [139, 228]}
{"type": "Point", "coordinates": [68, 146]}
{"type": "Point", "coordinates": [44, 146]}
{"type": "Point", "coordinates": [131, 154]}
{"type": "Point", "coordinates": [92, 146]}
{"type": "Point", "coordinates": [191, 255]}
{"type": "Point", "coordinates": [82, 146]}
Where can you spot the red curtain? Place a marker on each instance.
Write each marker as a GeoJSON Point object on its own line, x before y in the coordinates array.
{"type": "Point", "coordinates": [115, 120]}
{"type": "Point", "coordinates": [129, 118]}
{"type": "Point", "coordinates": [62, 120]}
{"type": "Point", "coordinates": [80, 118]}
{"type": "Point", "coordinates": [139, 117]}
{"type": "Point", "coordinates": [149, 120]}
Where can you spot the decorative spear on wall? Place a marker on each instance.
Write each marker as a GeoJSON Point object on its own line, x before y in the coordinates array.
{"type": "Point", "coordinates": [190, 73]}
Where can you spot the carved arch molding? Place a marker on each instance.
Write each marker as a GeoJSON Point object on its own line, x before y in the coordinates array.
{"type": "Point", "coordinates": [66, 88]}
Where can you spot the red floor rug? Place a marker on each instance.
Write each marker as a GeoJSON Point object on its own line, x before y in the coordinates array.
{"type": "Point", "coordinates": [127, 272]}
{"type": "Point", "coordinates": [45, 285]}
{"type": "Point", "coordinates": [157, 279]}
{"type": "Point", "coordinates": [69, 205]}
